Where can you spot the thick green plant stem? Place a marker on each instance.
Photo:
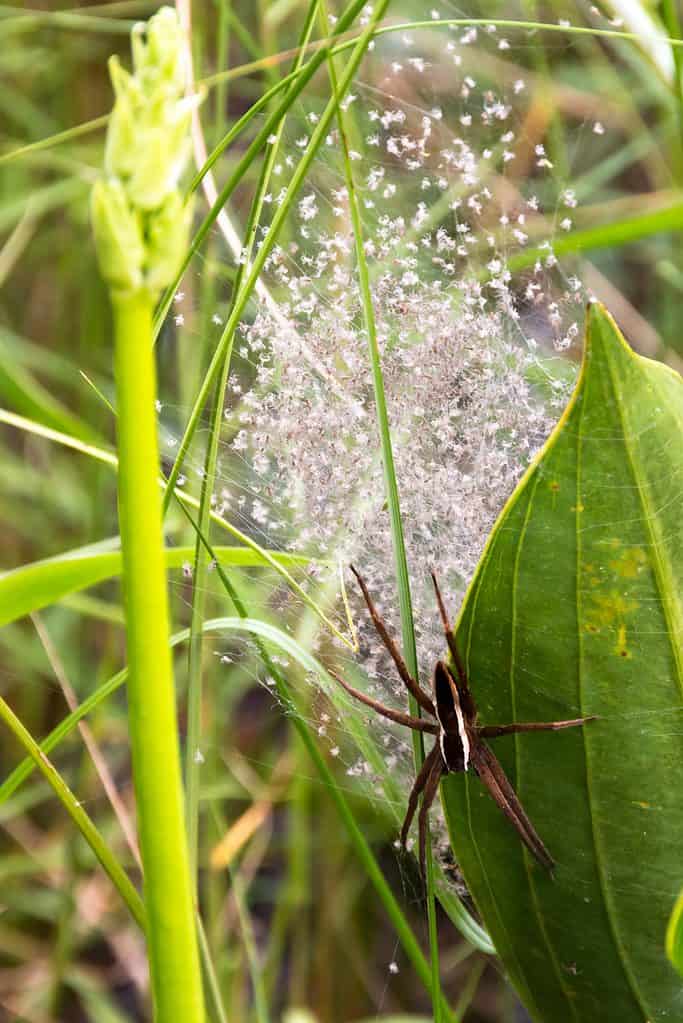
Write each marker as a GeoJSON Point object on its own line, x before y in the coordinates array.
{"type": "Point", "coordinates": [172, 940]}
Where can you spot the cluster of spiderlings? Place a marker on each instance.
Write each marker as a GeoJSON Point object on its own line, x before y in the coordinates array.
{"type": "Point", "coordinates": [448, 196]}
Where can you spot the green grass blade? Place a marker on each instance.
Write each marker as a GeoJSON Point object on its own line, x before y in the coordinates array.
{"type": "Point", "coordinates": [67, 440]}
{"type": "Point", "coordinates": [532, 26]}
{"type": "Point", "coordinates": [80, 818]}
{"type": "Point", "coordinates": [23, 392]}
{"type": "Point", "coordinates": [69, 20]}
{"type": "Point", "coordinates": [28, 397]}
{"type": "Point", "coordinates": [42, 200]}
{"type": "Point", "coordinates": [261, 1012]}
{"type": "Point", "coordinates": [393, 500]}
{"type": "Point", "coordinates": [110, 459]}
{"type": "Point", "coordinates": [625, 231]}
{"type": "Point", "coordinates": [54, 140]}
{"type": "Point", "coordinates": [38, 758]}
{"type": "Point", "coordinates": [265, 248]}
{"type": "Point", "coordinates": [673, 28]}
{"type": "Point", "coordinates": [194, 698]}
{"type": "Point", "coordinates": [295, 84]}
{"type": "Point", "coordinates": [211, 979]}
{"type": "Point", "coordinates": [35, 586]}
{"type": "Point", "coordinates": [289, 646]}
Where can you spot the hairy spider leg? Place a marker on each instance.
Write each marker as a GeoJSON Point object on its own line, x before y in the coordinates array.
{"type": "Point", "coordinates": [493, 731]}
{"type": "Point", "coordinates": [418, 724]}
{"type": "Point", "coordinates": [468, 704]}
{"type": "Point", "coordinates": [418, 786]}
{"type": "Point", "coordinates": [494, 778]}
{"type": "Point", "coordinates": [401, 666]}
{"type": "Point", "coordinates": [430, 791]}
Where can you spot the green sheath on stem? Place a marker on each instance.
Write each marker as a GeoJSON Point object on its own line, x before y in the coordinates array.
{"type": "Point", "coordinates": [173, 955]}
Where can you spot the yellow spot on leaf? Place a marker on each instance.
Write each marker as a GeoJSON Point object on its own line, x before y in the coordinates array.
{"type": "Point", "coordinates": [611, 607]}
{"type": "Point", "coordinates": [621, 649]}
{"type": "Point", "coordinates": [610, 610]}
{"type": "Point", "coordinates": [607, 606]}
{"type": "Point", "coordinates": [630, 562]}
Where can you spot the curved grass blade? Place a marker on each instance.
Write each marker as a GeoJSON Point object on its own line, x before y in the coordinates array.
{"type": "Point", "coordinates": [90, 833]}
{"type": "Point", "coordinates": [201, 563]}
{"type": "Point", "coordinates": [20, 389]}
{"type": "Point", "coordinates": [32, 587]}
{"type": "Point", "coordinates": [629, 228]}
{"type": "Point", "coordinates": [576, 609]}
{"type": "Point", "coordinates": [298, 82]}
{"type": "Point", "coordinates": [109, 458]}
{"type": "Point", "coordinates": [317, 137]}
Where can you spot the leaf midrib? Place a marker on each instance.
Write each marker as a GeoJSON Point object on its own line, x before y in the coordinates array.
{"type": "Point", "coordinates": [484, 873]}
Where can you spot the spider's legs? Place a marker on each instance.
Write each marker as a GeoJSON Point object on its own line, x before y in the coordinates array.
{"type": "Point", "coordinates": [430, 791]}
{"type": "Point", "coordinates": [418, 786]}
{"type": "Point", "coordinates": [494, 778]}
{"type": "Point", "coordinates": [412, 686]}
{"type": "Point", "coordinates": [419, 724]}
{"type": "Point", "coordinates": [450, 639]}
{"type": "Point", "coordinates": [492, 731]}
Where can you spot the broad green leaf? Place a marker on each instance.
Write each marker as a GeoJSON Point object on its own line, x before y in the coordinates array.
{"type": "Point", "coordinates": [41, 583]}
{"type": "Point", "coordinates": [576, 608]}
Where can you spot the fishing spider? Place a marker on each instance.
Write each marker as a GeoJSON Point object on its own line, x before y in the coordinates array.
{"type": "Point", "coordinates": [460, 738]}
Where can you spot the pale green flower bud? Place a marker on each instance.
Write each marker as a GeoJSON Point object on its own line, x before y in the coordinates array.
{"type": "Point", "coordinates": [163, 149]}
{"type": "Point", "coordinates": [167, 238]}
{"type": "Point", "coordinates": [122, 146]}
{"type": "Point", "coordinates": [118, 236]}
{"type": "Point", "coordinates": [158, 50]}
{"type": "Point", "coordinates": [148, 141]}
{"type": "Point", "coordinates": [147, 149]}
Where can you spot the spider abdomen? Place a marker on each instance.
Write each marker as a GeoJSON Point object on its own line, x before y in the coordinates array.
{"type": "Point", "coordinates": [454, 751]}
{"type": "Point", "coordinates": [453, 737]}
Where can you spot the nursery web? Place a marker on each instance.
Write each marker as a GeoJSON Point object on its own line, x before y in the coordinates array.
{"type": "Point", "coordinates": [454, 181]}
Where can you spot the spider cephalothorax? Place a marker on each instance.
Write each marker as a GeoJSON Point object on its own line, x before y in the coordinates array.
{"type": "Point", "coordinates": [460, 738]}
